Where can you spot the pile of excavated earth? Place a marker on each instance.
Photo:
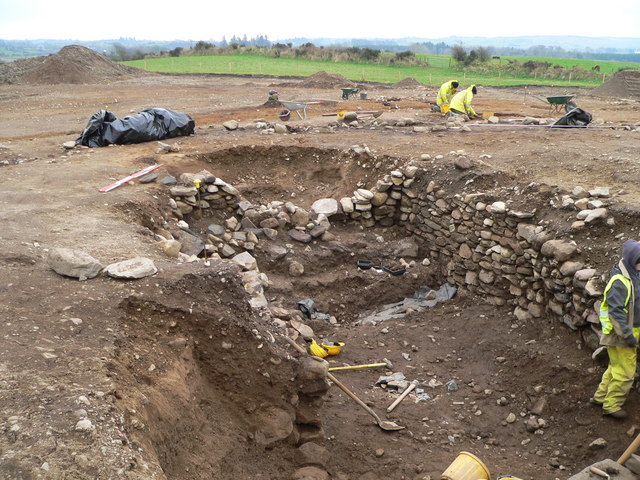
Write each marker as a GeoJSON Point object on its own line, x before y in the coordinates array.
{"type": "Point", "coordinates": [203, 320]}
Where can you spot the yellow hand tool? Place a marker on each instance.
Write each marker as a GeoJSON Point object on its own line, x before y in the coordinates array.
{"type": "Point", "coordinates": [386, 363]}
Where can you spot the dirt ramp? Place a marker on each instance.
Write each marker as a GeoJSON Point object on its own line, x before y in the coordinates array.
{"type": "Point", "coordinates": [73, 64]}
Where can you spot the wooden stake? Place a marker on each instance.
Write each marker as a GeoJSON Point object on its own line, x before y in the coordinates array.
{"type": "Point", "coordinates": [401, 397]}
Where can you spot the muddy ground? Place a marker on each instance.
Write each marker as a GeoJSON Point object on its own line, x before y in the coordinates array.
{"type": "Point", "coordinates": [176, 373]}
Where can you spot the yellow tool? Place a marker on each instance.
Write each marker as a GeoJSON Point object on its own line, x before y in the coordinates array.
{"type": "Point", "coordinates": [386, 363]}
{"type": "Point", "coordinates": [317, 350]}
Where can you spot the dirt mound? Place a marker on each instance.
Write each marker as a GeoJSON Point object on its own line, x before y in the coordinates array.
{"type": "Point", "coordinates": [408, 83]}
{"type": "Point", "coordinates": [12, 72]}
{"type": "Point", "coordinates": [72, 64]}
{"type": "Point", "coordinates": [624, 84]}
{"type": "Point", "coordinates": [326, 80]}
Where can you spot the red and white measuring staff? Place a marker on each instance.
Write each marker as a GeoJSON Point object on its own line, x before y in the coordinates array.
{"type": "Point", "coordinates": [124, 180]}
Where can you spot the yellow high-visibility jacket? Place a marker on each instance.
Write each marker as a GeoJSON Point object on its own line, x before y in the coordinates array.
{"type": "Point", "coordinates": [461, 101]}
{"type": "Point", "coordinates": [617, 323]}
{"type": "Point", "coordinates": [445, 93]}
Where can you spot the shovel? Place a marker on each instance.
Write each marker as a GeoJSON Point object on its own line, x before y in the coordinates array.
{"type": "Point", "coordinates": [383, 424]}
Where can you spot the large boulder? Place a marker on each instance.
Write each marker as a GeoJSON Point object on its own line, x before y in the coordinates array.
{"type": "Point", "coordinates": [73, 263]}
{"type": "Point", "coordinates": [138, 267]}
{"type": "Point", "coordinates": [326, 206]}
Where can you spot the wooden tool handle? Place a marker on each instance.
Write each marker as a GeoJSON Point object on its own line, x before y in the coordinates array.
{"type": "Point", "coordinates": [338, 383]}
{"type": "Point", "coordinates": [294, 344]}
{"type": "Point", "coordinates": [401, 397]}
{"type": "Point", "coordinates": [598, 472]}
{"type": "Point", "coordinates": [630, 450]}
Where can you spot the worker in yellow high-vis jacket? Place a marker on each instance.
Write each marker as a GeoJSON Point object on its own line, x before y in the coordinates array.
{"type": "Point", "coordinates": [445, 93]}
{"type": "Point", "coordinates": [620, 320]}
{"type": "Point", "coordinates": [461, 102]}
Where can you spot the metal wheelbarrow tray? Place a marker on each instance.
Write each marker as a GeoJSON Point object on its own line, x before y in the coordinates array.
{"type": "Point", "coordinates": [349, 91]}
{"type": "Point", "coordinates": [557, 102]}
{"type": "Point", "coordinates": [295, 107]}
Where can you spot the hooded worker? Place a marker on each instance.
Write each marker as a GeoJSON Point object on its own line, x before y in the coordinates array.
{"type": "Point", "coordinates": [620, 320]}
{"type": "Point", "coordinates": [461, 102]}
{"type": "Point", "coordinates": [445, 93]}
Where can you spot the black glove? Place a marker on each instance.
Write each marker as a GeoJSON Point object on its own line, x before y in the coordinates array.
{"type": "Point", "coordinates": [631, 341]}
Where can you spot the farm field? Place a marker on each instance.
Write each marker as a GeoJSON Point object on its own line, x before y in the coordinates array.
{"type": "Point", "coordinates": [436, 74]}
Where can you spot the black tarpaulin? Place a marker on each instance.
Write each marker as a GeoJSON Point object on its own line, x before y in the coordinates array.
{"type": "Point", "coordinates": [104, 128]}
{"type": "Point", "coordinates": [575, 117]}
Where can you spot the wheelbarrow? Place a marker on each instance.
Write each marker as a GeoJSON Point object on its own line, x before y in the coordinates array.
{"type": "Point", "coordinates": [295, 107]}
{"type": "Point", "coordinates": [555, 103]}
{"type": "Point", "coordinates": [349, 91]}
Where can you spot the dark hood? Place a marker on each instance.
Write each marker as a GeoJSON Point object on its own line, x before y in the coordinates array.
{"type": "Point", "coordinates": [631, 256]}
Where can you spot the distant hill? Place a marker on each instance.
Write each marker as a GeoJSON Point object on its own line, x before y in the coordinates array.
{"type": "Point", "coordinates": [594, 44]}
{"type": "Point", "coordinates": [602, 48]}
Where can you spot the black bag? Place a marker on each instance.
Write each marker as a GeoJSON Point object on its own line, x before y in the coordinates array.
{"type": "Point", "coordinates": [575, 117]}
{"type": "Point", "coordinates": [104, 128]}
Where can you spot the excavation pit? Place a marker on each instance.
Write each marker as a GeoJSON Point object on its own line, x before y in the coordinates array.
{"type": "Point", "coordinates": [522, 374]}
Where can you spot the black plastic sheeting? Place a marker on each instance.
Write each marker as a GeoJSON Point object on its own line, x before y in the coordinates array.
{"type": "Point", "coordinates": [104, 128]}
{"type": "Point", "coordinates": [575, 117]}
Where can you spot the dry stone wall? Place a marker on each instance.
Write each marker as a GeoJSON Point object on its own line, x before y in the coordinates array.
{"type": "Point", "coordinates": [480, 241]}
{"type": "Point", "coordinates": [484, 245]}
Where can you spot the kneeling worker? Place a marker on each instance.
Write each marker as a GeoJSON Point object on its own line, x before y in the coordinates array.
{"type": "Point", "coordinates": [461, 102]}
{"type": "Point", "coordinates": [445, 93]}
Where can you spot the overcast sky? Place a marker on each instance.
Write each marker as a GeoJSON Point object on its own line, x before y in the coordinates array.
{"type": "Point", "coordinates": [213, 19]}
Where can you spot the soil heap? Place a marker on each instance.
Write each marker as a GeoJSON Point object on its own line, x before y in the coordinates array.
{"type": "Point", "coordinates": [326, 80]}
{"type": "Point", "coordinates": [72, 64]}
{"type": "Point", "coordinates": [408, 83]}
{"type": "Point", "coordinates": [624, 84]}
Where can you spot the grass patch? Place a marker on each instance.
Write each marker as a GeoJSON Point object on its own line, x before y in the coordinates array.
{"type": "Point", "coordinates": [441, 69]}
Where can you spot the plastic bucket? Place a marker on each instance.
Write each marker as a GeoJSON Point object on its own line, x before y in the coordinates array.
{"type": "Point", "coordinates": [466, 466]}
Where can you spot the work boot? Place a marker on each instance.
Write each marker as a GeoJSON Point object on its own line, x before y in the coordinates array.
{"type": "Point", "coordinates": [618, 414]}
{"type": "Point", "coordinates": [593, 401]}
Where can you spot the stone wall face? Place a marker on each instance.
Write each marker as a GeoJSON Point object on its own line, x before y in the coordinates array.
{"type": "Point", "coordinates": [479, 240]}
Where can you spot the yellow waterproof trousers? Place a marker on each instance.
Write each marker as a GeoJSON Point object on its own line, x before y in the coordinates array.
{"type": "Point", "coordinates": [618, 378]}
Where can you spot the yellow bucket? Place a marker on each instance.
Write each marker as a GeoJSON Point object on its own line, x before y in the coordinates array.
{"type": "Point", "coordinates": [466, 466]}
{"type": "Point", "coordinates": [445, 108]}
{"type": "Point", "coordinates": [486, 115]}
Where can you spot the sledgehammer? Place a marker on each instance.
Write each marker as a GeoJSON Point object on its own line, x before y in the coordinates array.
{"type": "Point", "coordinates": [386, 363]}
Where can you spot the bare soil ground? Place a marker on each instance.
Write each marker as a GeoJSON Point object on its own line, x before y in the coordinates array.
{"type": "Point", "coordinates": [143, 360]}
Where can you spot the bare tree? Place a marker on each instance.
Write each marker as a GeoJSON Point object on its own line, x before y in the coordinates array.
{"type": "Point", "coordinates": [483, 54]}
{"type": "Point", "coordinates": [458, 53]}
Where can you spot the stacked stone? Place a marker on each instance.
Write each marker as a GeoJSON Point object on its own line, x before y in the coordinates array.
{"type": "Point", "coordinates": [214, 193]}
{"type": "Point", "coordinates": [591, 206]}
{"type": "Point", "coordinates": [484, 246]}
{"type": "Point", "coordinates": [391, 200]}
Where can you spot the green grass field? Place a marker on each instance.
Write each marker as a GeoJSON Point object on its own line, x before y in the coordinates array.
{"type": "Point", "coordinates": [440, 69]}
